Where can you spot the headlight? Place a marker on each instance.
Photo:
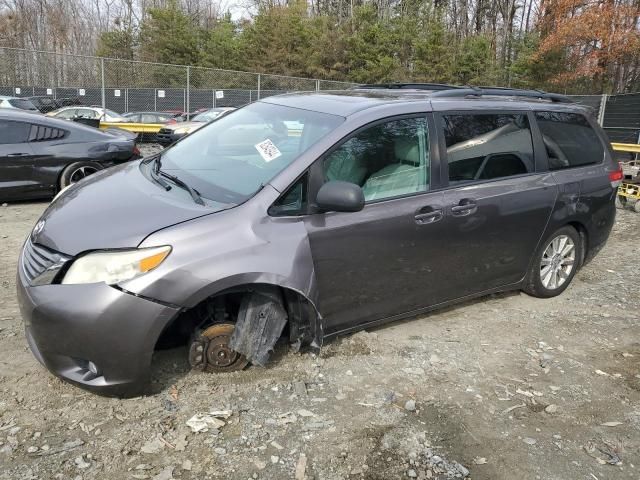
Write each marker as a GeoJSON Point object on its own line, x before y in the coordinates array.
{"type": "Point", "coordinates": [182, 130]}
{"type": "Point", "coordinates": [115, 267]}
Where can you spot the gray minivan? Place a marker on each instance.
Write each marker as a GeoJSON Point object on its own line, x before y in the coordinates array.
{"type": "Point", "coordinates": [312, 215]}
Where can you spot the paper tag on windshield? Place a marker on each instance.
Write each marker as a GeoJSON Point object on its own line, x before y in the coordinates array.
{"type": "Point", "coordinates": [267, 150]}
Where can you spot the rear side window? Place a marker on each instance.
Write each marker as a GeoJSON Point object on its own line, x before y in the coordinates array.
{"type": "Point", "coordinates": [569, 139]}
{"type": "Point", "coordinates": [86, 113]}
{"type": "Point", "coordinates": [67, 114]}
{"type": "Point", "coordinates": [487, 146]}
{"type": "Point", "coordinates": [40, 133]}
{"type": "Point", "coordinates": [13, 132]}
{"type": "Point", "coordinates": [151, 118]}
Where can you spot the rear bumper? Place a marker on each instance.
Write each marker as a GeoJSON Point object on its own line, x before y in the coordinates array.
{"type": "Point", "coordinates": [93, 335]}
{"type": "Point", "coordinates": [600, 227]}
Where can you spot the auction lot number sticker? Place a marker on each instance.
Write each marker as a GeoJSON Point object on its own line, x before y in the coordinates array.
{"type": "Point", "coordinates": [267, 150]}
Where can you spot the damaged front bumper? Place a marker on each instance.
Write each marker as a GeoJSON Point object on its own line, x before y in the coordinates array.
{"type": "Point", "coordinates": [93, 335]}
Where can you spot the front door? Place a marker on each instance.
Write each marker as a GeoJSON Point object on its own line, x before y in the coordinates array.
{"type": "Point", "coordinates": [16, 161]}
{"type": "Point", "coordinates": [388, 258]}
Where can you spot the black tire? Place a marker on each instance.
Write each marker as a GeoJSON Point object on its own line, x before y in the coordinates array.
{"type": "Point", "coordinates": [77, 171]}
{"type": "Point", "coordinates": [534, 283]}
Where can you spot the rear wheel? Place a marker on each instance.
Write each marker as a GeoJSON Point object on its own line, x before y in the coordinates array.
{"type": "Point", "coordinates": [76, 172]}
{"type": "Point", "coordinates": [555, 264]}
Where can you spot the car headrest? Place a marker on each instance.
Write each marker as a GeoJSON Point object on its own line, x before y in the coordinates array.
{"type": "Point", "coordinates": [407, 150]}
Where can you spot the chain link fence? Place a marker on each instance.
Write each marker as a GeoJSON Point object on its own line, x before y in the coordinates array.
{"type": "Point", "coordinates": [126, 86]}
{"type": "Point", "coordinates": [619, 115]}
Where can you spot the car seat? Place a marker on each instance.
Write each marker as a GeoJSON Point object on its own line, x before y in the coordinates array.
{"type": "Point", "coordinates": [407, 175]}
{"type": "Point", "coordinates": [344, 165]}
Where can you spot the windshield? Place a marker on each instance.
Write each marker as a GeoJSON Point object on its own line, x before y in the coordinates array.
{"type": "Point", "coordinates": [229, 160]}
{"type": "Point", "coordinates": [206, 116]}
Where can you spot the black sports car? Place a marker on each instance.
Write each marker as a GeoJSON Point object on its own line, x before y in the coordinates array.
{"type": "Point", "coordinates": [40, 155]}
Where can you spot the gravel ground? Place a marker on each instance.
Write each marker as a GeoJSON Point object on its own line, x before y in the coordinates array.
{"type": "Point", "coordinates": [505, 387]}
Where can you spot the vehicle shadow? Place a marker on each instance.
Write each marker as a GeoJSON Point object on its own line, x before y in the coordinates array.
{"type": "Point", "coordinates": [436, 312]}
{"type": "Point", "coordinates": [25, 203]}
{"type": "Point", "coordinates": [171, 365]}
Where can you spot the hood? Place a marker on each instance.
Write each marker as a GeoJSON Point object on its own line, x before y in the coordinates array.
{"type": "Point", "coordinates": [175, 126]}
{"type": "Point", "coordinates": [115, 208]}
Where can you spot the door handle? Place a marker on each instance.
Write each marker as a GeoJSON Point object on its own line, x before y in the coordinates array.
{"type": "Point", "coordinates": [464, 207]}
{"type": "Point", "coordinates": [22, 154]}
{"type": "Point", "coordinates": [430, 216]}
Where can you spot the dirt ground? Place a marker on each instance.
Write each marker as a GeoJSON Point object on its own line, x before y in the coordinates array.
{"type": "Point", "coordinates": [506, 387]}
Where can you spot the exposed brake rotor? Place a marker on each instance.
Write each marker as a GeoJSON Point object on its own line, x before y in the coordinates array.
{"type": "Point", "coordinates": [210, 350]}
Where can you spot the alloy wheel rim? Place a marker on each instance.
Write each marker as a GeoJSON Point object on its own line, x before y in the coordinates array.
{"type": "Point", "coordinates": [558, 261]}
{"type": "Point", "coordinates": [80, 173]}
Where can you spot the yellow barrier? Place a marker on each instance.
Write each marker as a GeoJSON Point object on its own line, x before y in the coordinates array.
{"type": "Point", "coordinates": [134, 127]}
{"type": "Point", "coordinates": [626, 147]}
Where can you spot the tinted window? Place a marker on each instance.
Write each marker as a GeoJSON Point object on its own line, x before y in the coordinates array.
{"type": "Point", "coordinates": [22, 104]}
{"type": "Point", "coordinates": [40, 133]}
{"type": "Point", "coordinates": [484, 147]}
{"type": "Point", "coordinates": [13, 132]}
{"type": "Point", "coordinates": [386, 160]}
{"type": "Point", "coordinates": [569, 139]}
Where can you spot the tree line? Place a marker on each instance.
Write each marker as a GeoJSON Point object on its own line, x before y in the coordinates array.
{"type": "Point", "coordinates": [572, 46]}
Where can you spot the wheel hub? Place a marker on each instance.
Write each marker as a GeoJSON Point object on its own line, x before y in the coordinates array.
{"type": "Point", "coordinates": [557, 262]}
{"type": "Point", "coordinates": [210, 351]}
{"type": "Point", "coordinates": [219, 353]}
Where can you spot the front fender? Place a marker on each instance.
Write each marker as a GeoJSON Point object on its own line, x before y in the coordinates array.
{"type": "Point", "coordinates": [240, 246]}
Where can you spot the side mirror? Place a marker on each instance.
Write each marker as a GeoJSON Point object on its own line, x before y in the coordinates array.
{"type": "Point", "coordinates": [339, 196]}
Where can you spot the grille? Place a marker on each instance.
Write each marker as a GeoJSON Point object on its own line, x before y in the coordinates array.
{"type": "Point", "coordinates": [40, 263]}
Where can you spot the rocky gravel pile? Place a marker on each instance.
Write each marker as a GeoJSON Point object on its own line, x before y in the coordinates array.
{"type": "Point", "coordinates": [504, 387]}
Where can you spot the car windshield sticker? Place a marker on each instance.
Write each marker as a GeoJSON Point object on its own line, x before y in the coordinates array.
{"type": "Point", "coordinates": [267, 150]}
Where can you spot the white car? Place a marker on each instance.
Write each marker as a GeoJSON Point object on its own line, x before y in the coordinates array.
{"type": "Point", "coordinates": [18, 103]}
{"type": "Point", "coordinates": [81, 111]}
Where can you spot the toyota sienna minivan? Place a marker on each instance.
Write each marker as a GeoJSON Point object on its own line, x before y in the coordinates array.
{"type": "Point", "coordinates": [311, 215]}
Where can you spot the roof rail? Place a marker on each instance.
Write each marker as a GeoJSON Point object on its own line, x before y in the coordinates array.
{"type": "Point", "coordinates": [502, 92]}
{"type": "Point", "coordinates": [408, 86]}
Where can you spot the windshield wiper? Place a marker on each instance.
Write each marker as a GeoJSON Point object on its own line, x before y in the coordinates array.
{"type": "Point", "coordinates": [157, 174]}
{"type": "Point", "coordinates": [155, 168]}
{"type": "Point", "coordinates": [192, 191]}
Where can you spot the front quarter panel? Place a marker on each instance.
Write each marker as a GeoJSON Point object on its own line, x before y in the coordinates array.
{"type": "Point", "coordinates": [239, 246]}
